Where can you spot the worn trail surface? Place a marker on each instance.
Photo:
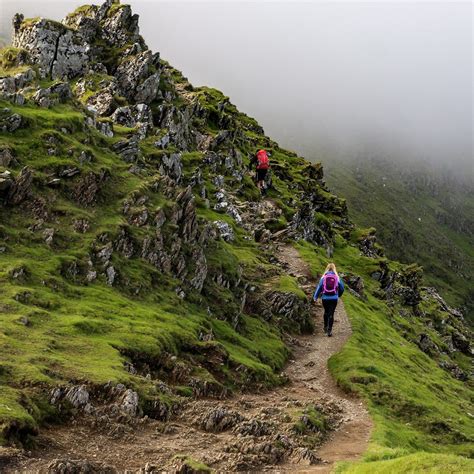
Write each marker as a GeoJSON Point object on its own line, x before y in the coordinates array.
{"type": "Point", "coordinates": [156, 443]}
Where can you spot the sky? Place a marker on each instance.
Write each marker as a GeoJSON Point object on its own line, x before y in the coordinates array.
{"type": "Point", "coordinates": [326, 79]}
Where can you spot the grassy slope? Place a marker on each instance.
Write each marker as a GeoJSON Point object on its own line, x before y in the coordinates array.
{"type": "Point", "coordinates": [76, 331]}
{"type": "Point", "coordinates": [417, 407]}
{"type": "Point", "coordinates": [403, 208]}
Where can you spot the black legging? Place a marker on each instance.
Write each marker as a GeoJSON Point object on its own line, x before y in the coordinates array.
{"type": "Point", "coordinates": [329, 308]}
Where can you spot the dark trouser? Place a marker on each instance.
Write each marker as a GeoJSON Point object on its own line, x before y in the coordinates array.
{"type": "Point", "coordinates": [329, 308]}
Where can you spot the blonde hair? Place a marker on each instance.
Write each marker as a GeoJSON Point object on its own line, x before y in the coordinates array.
{"type": "Point", "coordinates": [331, 268]}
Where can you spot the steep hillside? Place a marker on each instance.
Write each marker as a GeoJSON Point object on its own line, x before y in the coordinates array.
{"type": "Point", "coordinates": [421, 215]}
{"type": "Point", "coordinates": [139, 265]}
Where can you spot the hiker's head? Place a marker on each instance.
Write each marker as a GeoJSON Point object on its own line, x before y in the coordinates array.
{"type": "Point", "coordinates": [331, 268]}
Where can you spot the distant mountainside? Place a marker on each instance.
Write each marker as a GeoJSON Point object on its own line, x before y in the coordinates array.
{"type": "Point", "coordinates": [139, 272]}
{"type": "Point", "coordinates": [421, 215]}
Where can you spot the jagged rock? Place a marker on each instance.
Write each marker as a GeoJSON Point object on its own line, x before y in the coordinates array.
{"type": "Point", "coordinates": [305, 456]}
{"type": "Point", "coordinates": [121, 27]}
{"type": "Point", "coordinates": [129, 403]}
{"type": "Point", "coordinates": [48, 235]}
{"type": "Point", "coordinates": [10, 85]}
{"type": "Point", "coordinates": [103, 102]}
{"type": "Point", "coordinates": [69, 466]}
{"type": "Point", "coordinates": [78, 396]}
{"type": "Point", "coordinates": [225, 231]}
{"type": "Point", "coordinates": [454, 369]}
{"type": "Point", "coordinates": [81, 225]}
{"type": "Point", "coordinates": [135, 77]}
{"type": "Point", "coordinates": [219, 419]}
{"type": "Point", "coordinates": [21, 187]}
{"type": "Point", "coordinates": [105, 128]}
{"type": "Point", "coordinates": [6, 156]}
{"type": "Point", "coordinates": [139, 116]}
{"type": "Point", "coordinates": [288, 309]}
{"type": "Point", "coordinates": [59, 51]}
{"type": "Point", "coordinates": [354, 282]}
{"type": "Point", "coordinates": [172, 166]}
{"type": "Point", "coordinates": [19, 273]}
{"type": "Point", "coordinates": [85, 157]}
{"type": "Point", "coordinates": [111, 274]}
{"type": "Point", "coordinates": [61, 92]}
{"type": "Point", "coordinates": [461, 343]}
{"type": "Point", "coordinates": [128, 149]}
{"type": "Point", "coordinates": [88, 187]}
{"type": "Point", "coordinates": [304, 225]}
{"type": "Point", "coordinates": [178, 124]}
{"type": "Point", "coordinates": [9, 122]}
{"type": "Point", "coordinates": [69, 172]}
{"type": "Point", "coordinates": [427, 345]}
{"type": "Point", "coordinates": [163, 142]}
{"type": "Point", "coordinates": [254, 427]}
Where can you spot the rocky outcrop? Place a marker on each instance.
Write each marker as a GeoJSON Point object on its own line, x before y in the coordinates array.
{"type": "Point", "coordinates": [59, 51]}
{"type": "Point", "coordinates": [136, 77]}
{"type": "Point", "coordinates": [288, 310]}
{"type": "Point", "coordinates": [20, 188]}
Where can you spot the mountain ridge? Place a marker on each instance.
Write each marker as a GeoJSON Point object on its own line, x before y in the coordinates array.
{"type": "Point", "coordinates": [138, 256]}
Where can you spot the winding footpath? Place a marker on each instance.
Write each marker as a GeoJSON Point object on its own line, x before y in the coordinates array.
{"type": "Point", "coordinates": [129, 449]}
{"type": "Point", "coordinates": [310, 375]}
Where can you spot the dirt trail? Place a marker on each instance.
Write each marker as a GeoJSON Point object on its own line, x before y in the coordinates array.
{"type": "Point", "coordinates": [310, 373]}
{"type": "Point", "coordinates": [156, 443]}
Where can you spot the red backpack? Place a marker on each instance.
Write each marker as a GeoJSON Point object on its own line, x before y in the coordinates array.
{"type": "Point", "coordinates": [263, 161]}
{"type": "Point", "coordinates": [330, 284]}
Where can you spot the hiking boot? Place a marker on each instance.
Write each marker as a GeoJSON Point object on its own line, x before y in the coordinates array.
{"type": "Point", "coordinates": [325, 330]}
{"type": "Point", "coordinates": [329, 333]}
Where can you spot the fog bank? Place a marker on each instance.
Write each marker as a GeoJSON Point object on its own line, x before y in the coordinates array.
{"type": "Point", "coordinates": [324, 78]}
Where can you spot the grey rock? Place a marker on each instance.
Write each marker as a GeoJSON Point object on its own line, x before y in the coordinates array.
{"type": "Point", "coordinates": [105, 128]}
{"type": "Point", "coordinates": [121, 27]}
{"type": "Point", "coordinates": [57, 93]}
{"type": "Point", "coordinates": [129, 403]}
{"type": "Point", "coordinates": [172, 166]}
{"type": "Point", "coordinates": [225, 231]}
{"type": "Point", "coordinates": [48, 235]}
{"type": "Point", "coordinates": [219, 419]}
{"type": "Point", "coordinates": [163, 142]}
{"type": "Point", "coordinates": [81, 225]}
{"type": "Point", "coordinates": [111, 274]}
{"type": "Point", "coordinates": [21, 187]}
{"type": "Point", "coordinates": [9, 122]}
{"type": "Point", "coordinates": [60, 52]}
{"type": "Point", "coordinates": [136, 78]}
{"type": "Point", "coordinates": [78, 396]}
{"type": "Point", "coordinates": [128, 149]}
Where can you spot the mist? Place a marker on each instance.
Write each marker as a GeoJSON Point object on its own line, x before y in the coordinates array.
{"type": "Point", "coordinates": [326, 79]}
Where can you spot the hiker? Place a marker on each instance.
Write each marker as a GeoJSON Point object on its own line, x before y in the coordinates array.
{"type": "Point", "coordinates": [262, 163]}
{"type": "Point", "coordinates": [330, 288]}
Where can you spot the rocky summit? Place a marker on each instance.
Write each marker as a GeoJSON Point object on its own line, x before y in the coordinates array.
{"type": "Point", "coordinates": [147, 288]}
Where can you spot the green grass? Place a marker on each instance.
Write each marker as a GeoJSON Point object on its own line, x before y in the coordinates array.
{"type": "Point", "coordinates": [289, 284]}
{"type": "Point", "coordinates": [414, 464]}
